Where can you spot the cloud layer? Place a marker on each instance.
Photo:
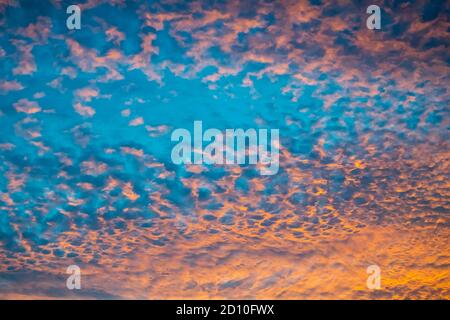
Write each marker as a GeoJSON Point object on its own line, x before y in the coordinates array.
{"type": "Point", "coordinates": [85, 170]}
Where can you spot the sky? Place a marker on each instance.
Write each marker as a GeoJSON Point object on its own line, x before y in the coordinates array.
{"type": "Point", "coordinates": [86, 176]}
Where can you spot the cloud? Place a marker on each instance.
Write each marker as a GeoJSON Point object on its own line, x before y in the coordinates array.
{"type": "Point", "coordinates": [83, 110]}
{"type": "Point", "coordinates": [27, 106]}
{"type": "Point", "coordinates": [6, 86]}
{"type": "Point", "coordinates": [363, 151]}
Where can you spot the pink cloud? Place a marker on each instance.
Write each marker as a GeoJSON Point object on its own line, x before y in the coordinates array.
{"type": "Point", "coordinates": [157, 130]}
{"type": "Point", "coordinates": [142, 60]}
{"type": "Point", "coordinates": [114, 35]}
{"type": "Point", "coordinates": [27, 106]}
{"type": "Point", "coordinates": [70, 72]}
{"type": "Point", "coordinates": [132, 151]}
{"type": "Point", "coordinates": [38, 31]}
{"type": "Point", "coordinates": [39, 95]}
{"type": "Point", "coordinates": [136, 122]}
{"type": "Point", "coordinates": [85, 111]}
{"type": "Point", "coordinates": [125, 113]}
{"type": "Point", "coordinates": [26, 63]}
{"type": "Point", "coordinates": [7, 86]}
{"type": "Point", "coordinates": [88, 60]}
{"type": "Point", "coordinates": [87, 93]}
